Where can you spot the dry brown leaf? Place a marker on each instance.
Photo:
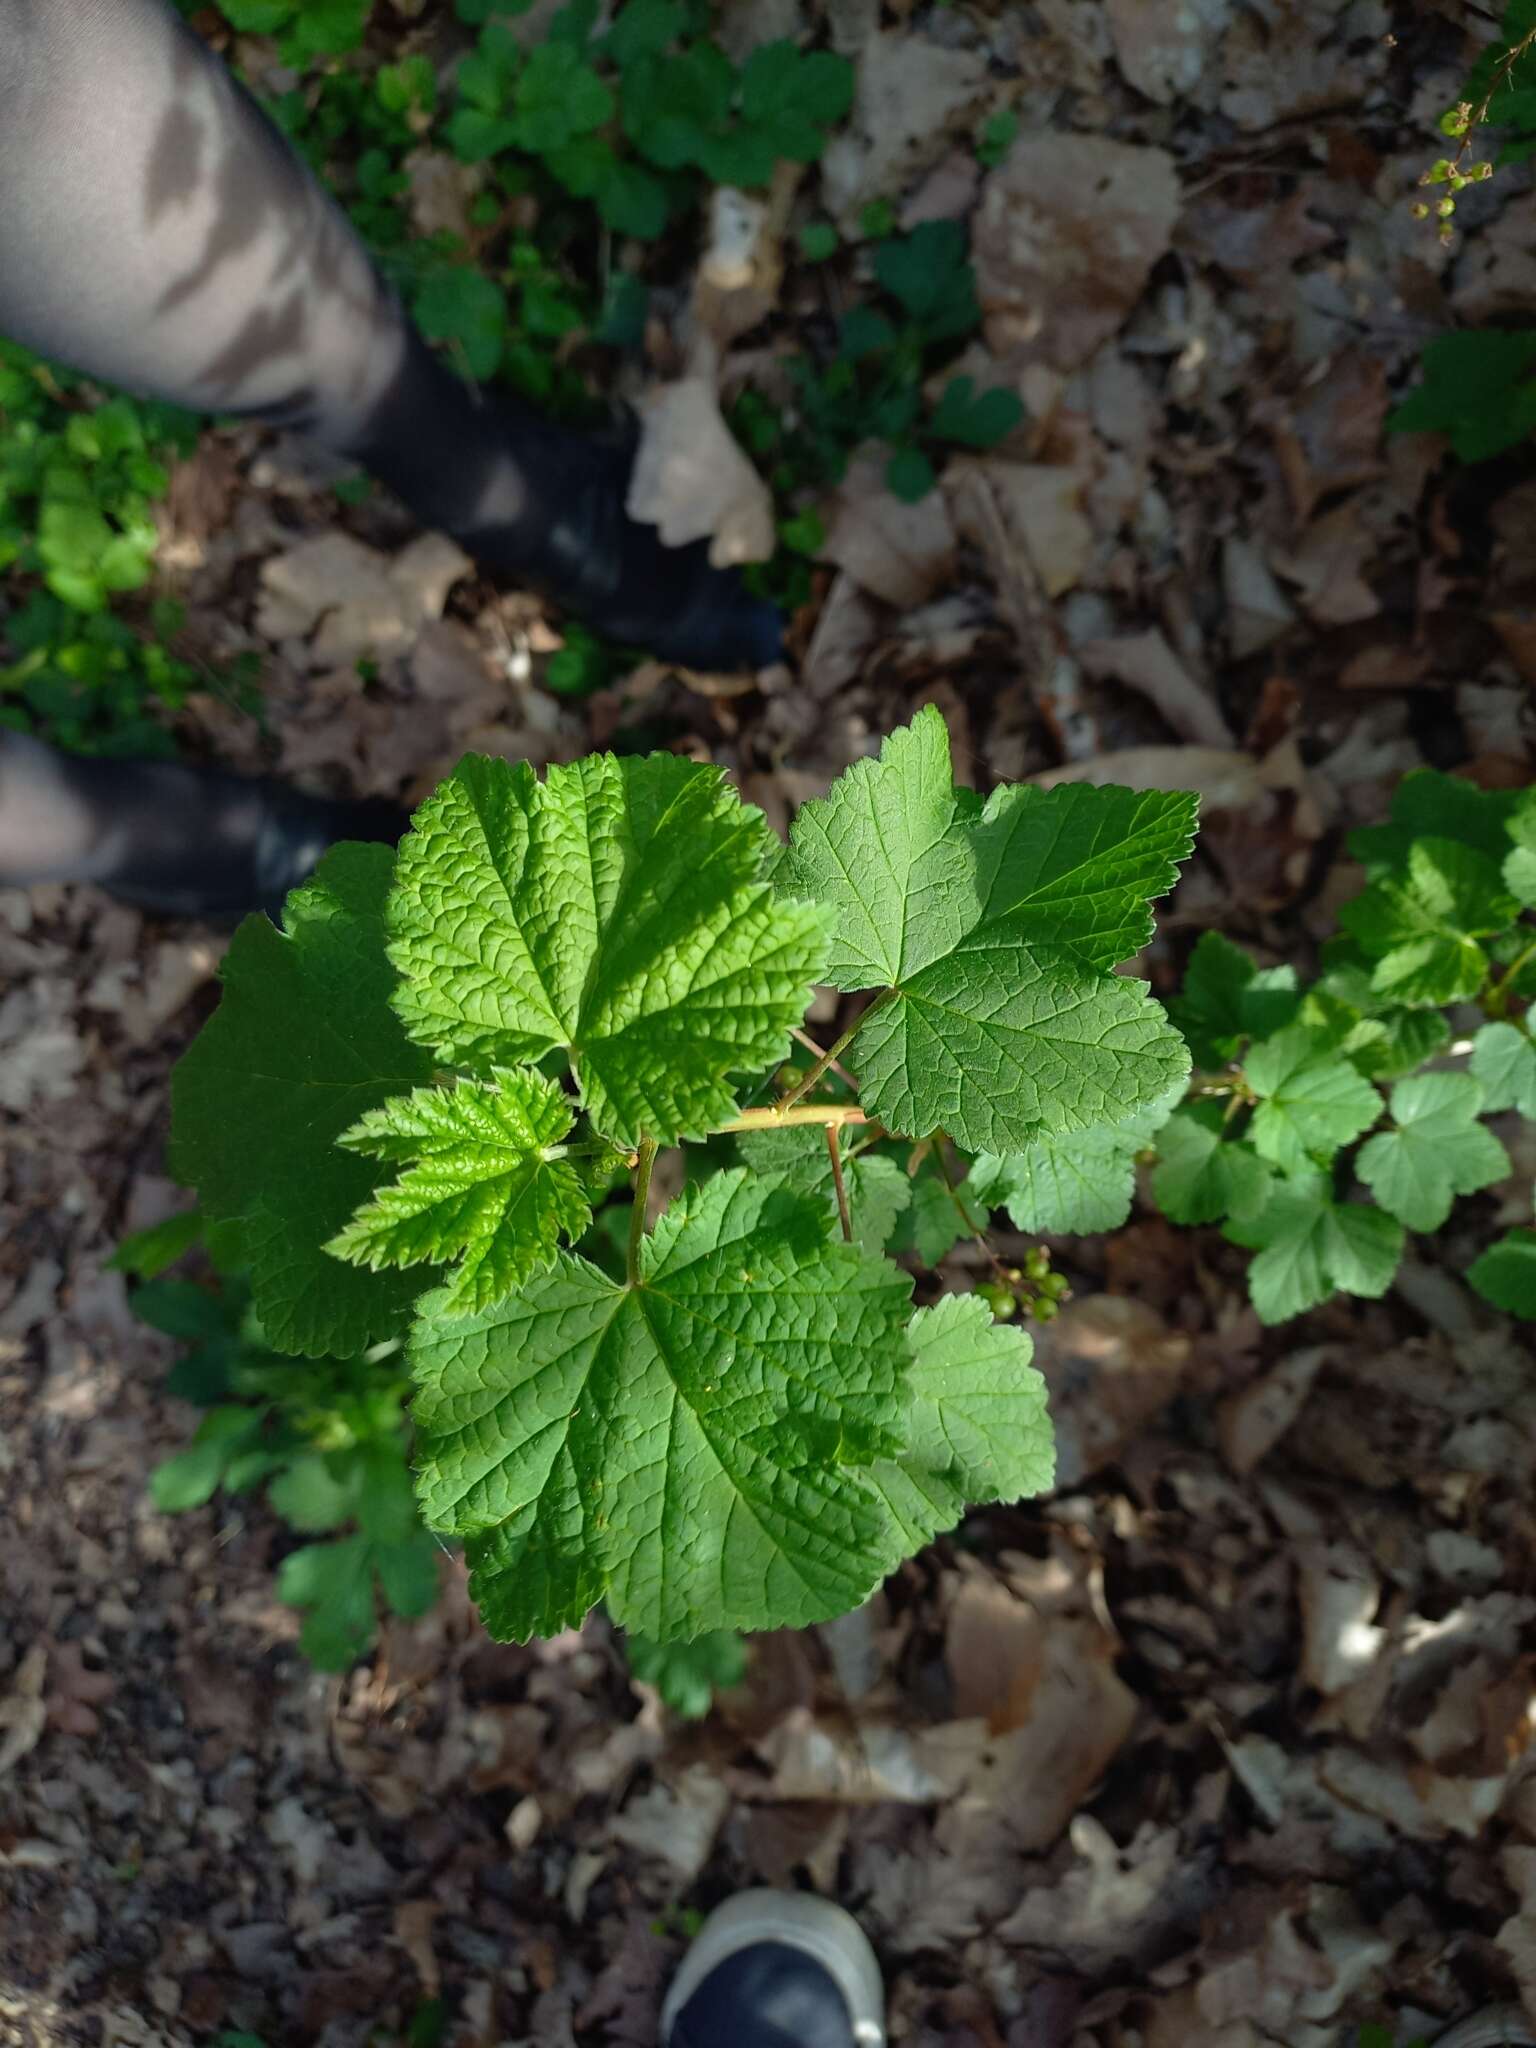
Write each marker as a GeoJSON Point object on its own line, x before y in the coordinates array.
{"type": "Point", "coordinates": [354, 600]}
{"type": "Point", "coordinates": [898, 552]}
{"type": "Point", "coordinates": [1067, 232]}
{"type": "Point", "coordinates": [1111, 1365]}
{"type": "Point", "coordinates": [871, 1762]}
{"type": "Point", "coordinates": [1340, 1594]}
{"type": "Point", "coordinates": [1145, 662]}
{"type": "Point", "coordinates": [1041, 511]}
{"type": "Point", "coordinates": [1258, 611]}
{"type": "Point", "coordinates": [1251, 1423]}
{"type": "Point", "coordinates": [676, 1822]}
{"type": "Point", "coordinates": [909, 98]}
{"type": "Point", "coordinates": [1223, 778]}
{"type": "Point", "coordinates": [440, 191]}
{"type": "Point", "coordinates": [1163, 46]}
{"type": "Point", "coordinates": [1113, 1907]}
{"type": "Point", "coordinates": [993, 1648]}
{"type": "Point", "coordinates": [23, 1713]}
{"type": "Point", "coordinates": [692, 481]}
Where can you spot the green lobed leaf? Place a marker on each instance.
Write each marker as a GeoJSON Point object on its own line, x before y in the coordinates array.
{"type": "Point", "coordinates": [1311, 1102]}
{"type": "Point", "coordinates": [1504, 1063]}
{"type": "Point", "coordinates": [682, 1448]}
{"type": "Point", "coordinates": [938, 1218]}
{"type": "Point", "coordinates": [877, 1189]}
{"type": "Point", "coordinates": [989, 927]}
{"type": "Point", "coordinates": [1479, 387]}
{"type": "Point", "coordinates": [1519, 866]}
{"type": "Point", "coordinates": [1202, 1175]}
{"type": "Point", "coordinates": [1227, 998]}
{"type": "Point", "coordinates": [1429, 805]}
{"type": "Point", "coordinates": [616, 911]}
{"type": "Point", "coordinates": [979, 1430]}
{"type": "Point", "coordinates": [687, 1675]}
{"type": "Point", "coordinates": [1436, 1150]}
{"type": "Point", "coordinates": [1076, 1184]}
{"type": "Point", "coordinates": [479, 1185]}
{"type": "Point", "coordinates": [1506, 1273]}
{"type": "Point", "coordinates": [303, 1043]}
{"type": "Point", "coordinates": [1421, 930]}
{"type": "Point", "coordinates": [1310, 1247]}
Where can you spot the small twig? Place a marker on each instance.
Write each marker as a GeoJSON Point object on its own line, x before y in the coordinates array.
{"type": "Point", "coordinates": [838, 1184]}
{"type": "Point", "coordinates": [1496, 1002]}
{"type": "Point", "coordinates": [645, 1159]}
{"type": "Point", "coordinates": [833, 1066]}
{"type": "Point", "coordinates": [808, 1081]}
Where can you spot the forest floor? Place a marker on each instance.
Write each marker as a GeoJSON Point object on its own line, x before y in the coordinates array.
{"type": "Point", "coordinates": [1224, 1742]}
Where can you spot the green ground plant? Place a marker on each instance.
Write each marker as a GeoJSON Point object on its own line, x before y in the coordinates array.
{"type": "Point", "coordinates": [1478, 387]}
{"type": "Point", "coordinates": [1327, 1122]}
{"type": "Point", "coordinates": [415, 1100]}
{"type": "Point", "coordinates": [79, 475]}
{"type": "Point", "coordinates": [325, 1438]}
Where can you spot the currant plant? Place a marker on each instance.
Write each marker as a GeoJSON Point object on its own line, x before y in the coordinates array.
{"type": "Point", "coordinates": [416, 1095]}
{"type": "Point", "coordinates": [1326, 1123]}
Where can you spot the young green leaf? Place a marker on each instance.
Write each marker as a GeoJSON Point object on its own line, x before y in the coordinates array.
{"type": "Point", "coordinates": [1520, 864]}
{"type": "Point", "coordinates": [978, 1428]}
{"type": "Point", "coordinates": [1429, 805]}
{"type": "Point", "coordinates": [1479, 387]}
{"type": "Point", "coordinates": [1506, 1273]}
{"type": "Point", "coordinates": [1421, 930]}
{"type": "Point", "coordinates": [929, 273]}
{"type": "Point", "coordinates": [1310, 1246]}
{"type": "Point", "coordinates": [479, 1185]}
{"type": "Point", "coordinates": [909, 475]}
{"type": "Point", "coordinates": [459, 305]}
{"type": "Point", "coordinates": [1202, 1175]}
{"type": "Point", "coordinates": [938, 1218]}
{"type": "Point", "coordinates": [1504, 1062]}
{"type": "Point", "coordinates": [303, 1043]}
{"type": "Point", "coordinates": [1311, 1102]}
{"type": "Point", "coordinates": [687, 1675]}
{"type": "Point", "coordinates": [681, 1447]}
{"type": "Point", "coordinates": [989, 932]}
{"type": "Point", "coordinates": [1436, 1151]}
{"type": "Point", "coordinates": [1227, 998]}
{"type": "Point", "coordinates": [1073, 1185]}
{"type": "Point", "coordinates": [976, 419]}
{"type": "Point", "coordinates": [617, 911]}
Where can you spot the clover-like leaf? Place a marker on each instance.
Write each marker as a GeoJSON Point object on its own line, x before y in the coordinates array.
{"type": "Point", "coordinates": [617, 912]}
{"type": "Point", "coordinates": [1421, 929]}
{"type": "Point", "coordinates": [1504, 1063]}
{"type": "Point", "coordinates": [1436, 1151]}
{"type": "Point", "coordinates": [990, 930]}
{"type": "Point", "coordinates": [978, 1429]}
{"type": "Point", "coordinates": [480, 1185]}
{"type": "Point", "coordinates": [303, 1043]}
{"type": "Point", "coordinates": [684, 1447]}
{"type": "Point", "coordinates": [1202, 1174]}
{"type": "Point", "coordinates": [1506, 1273]}
{"type": "Point", "coordinates": [1311, 1102]}
{"type": "Point", "coordinates": [1310, 1247]}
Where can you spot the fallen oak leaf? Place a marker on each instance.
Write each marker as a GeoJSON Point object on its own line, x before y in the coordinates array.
{"type": "Point", "coordinates": [23, 1714]}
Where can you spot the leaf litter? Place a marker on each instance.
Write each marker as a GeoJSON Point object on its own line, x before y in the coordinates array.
{"type": "Point", "coordinates": [1229, 1742]}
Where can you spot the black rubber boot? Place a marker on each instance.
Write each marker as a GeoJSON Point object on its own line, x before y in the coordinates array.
{"type": "Point", "coordinates": [184, 841]}
{"type": "Point", "coordinates": [777, 1970]}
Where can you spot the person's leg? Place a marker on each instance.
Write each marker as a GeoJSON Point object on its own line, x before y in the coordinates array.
{"type": "Point", "coordinates": [776, 1970]}
{"type": "Point", "coordinates": [156, 231]}
{"type": "Point", "coordinates": [186, 841]}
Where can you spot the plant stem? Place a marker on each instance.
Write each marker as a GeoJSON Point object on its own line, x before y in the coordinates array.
{"type": "Point", "coordinates": [1496, 1002]}
{"type": "Point", "coordinates": [834, 1065]}
{"type": "Point", "coordinates": [808, 1081]}
{"type": "Point", "coordinates": [645, 1159]}
{"type": "Point", "coordinates": [970, 1229]}
{"type": "Point", "coordinates": [838, 1184]}
{"type": "Point", "coordinates": [777, 1119]}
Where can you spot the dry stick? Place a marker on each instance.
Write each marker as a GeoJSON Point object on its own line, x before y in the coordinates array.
{"type": "Point", "coordinates": [837, 1181]}
{"type": "Point", "coordinates": [645, 1159]}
